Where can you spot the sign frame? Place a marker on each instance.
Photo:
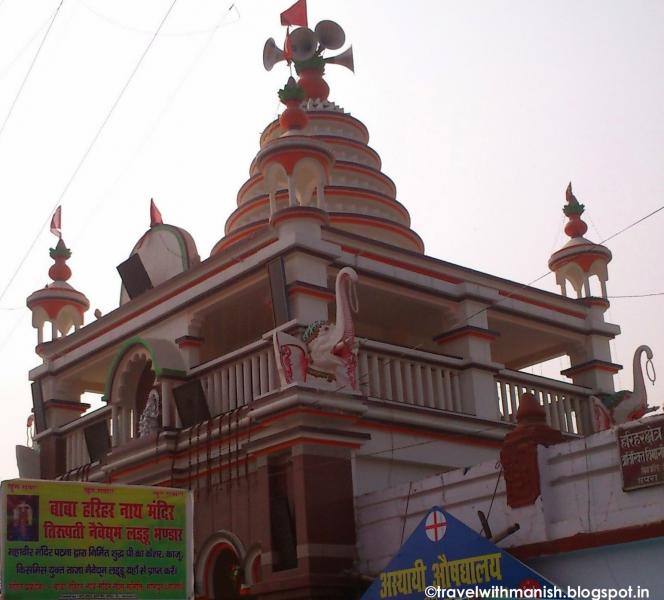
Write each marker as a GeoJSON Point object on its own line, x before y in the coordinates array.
{"type": "Point", "coordinates": [90, 541]}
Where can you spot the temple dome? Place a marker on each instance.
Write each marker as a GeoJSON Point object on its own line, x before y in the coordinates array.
{"type": "Point", "coordinates": [359, 197]}
{"type": "Point", "coordinates": [165, 251]}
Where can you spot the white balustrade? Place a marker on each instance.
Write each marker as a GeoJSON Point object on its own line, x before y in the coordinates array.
{"type": "Point", "coordinates": [235, 379]}
{"type": "Point", "coordinates": [567, 406]}
{"type": "Point", "coordinates": [385, 371]}
{"type": "Point", "coordinates": [76, 448]}
{"type": "Point", "coordinates": [421, 378]}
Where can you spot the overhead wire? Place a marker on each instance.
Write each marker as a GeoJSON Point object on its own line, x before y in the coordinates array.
{"type": "Point", "coordinates": [138, 30]}
{"type": "Point", "coordinates": [364, 377]}
{"type": "Point", "coordinates": [12, 61]}
{"type": "Point", "coordinates": [165, 107]}
{"type": "Point", "coordinates": [639, 295]}
{"type": "Point", "coordinates": [89, 147]}
{"type": "Point", "coordinates": [509, 295]}
{"type": "Point", "coordinates": [27, 74]}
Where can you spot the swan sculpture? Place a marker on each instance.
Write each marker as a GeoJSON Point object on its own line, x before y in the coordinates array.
{"type": "Point", "coordinates": [327, 351]}
{"type": "Point", "coordinates": [625, 405]}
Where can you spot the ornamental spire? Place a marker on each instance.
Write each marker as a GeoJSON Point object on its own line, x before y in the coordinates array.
{"type": "Point", "coordinates": [573, 210]}
{"type": "Point", "coordinates": [581, 262]}
{"type": "Point", "coordinates": [155, 214]}
{"type": "Point", "coordinates": [293, 117]}
{"type": "Point", "coordinates": [59, 270]}
{"type": "Point", "coordinates": [57, 303]}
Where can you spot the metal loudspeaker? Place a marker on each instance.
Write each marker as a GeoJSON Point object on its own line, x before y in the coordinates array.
{"type": "Point", "coordinates": [330, 35]}
{"type": "Point", "coordinates": [345, 59]}
{"type": "Point", "coordinates": [304, 43]}
{"type": "Point", "coordinates": [272, 54]}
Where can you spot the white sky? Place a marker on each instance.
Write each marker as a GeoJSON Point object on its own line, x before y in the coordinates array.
{"type": "Point", "coordinates": [481, 111]}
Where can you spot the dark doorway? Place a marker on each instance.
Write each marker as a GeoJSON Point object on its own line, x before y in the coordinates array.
{"type": "Point", "coordinates": [225, 577]}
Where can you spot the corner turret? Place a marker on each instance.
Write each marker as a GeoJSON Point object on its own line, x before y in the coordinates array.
{"type": "Point", "coordinates": [57, 302]}
{"type": "Point", "coordinates": [580, 259]}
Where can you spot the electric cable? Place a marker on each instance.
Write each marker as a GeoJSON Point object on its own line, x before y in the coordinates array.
{"type": "Point", "coordinates": [138, 30]}
{"type": "Point", "coordinates": [508, 295]}
{"type": "Point", "coordinates": [27, 75]}
{"type": "Point", "coordinates": [12, 61]}
{"type": "Point", "coordinates": [639, 295]}
{"type": "Point", "coordinates": [165, 107]}
{"type": "Point", "coordinates": [89, 148]}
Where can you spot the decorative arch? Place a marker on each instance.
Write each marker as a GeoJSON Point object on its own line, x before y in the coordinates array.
{"type": "Point", "coordinates": [167, 361]}
{"type": "Point", "coordinates": [275, 177]}
{"type": "Point", "coordinates": [252, 565]}
{"type": "Point", "coordinates": [138, 363]}
{"type": "Point", "coordinates": [222, 549]}
{"type": "Point", "coordinates": [309, 175]}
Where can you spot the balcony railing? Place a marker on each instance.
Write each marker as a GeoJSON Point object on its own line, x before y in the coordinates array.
{"type": "Point", "coordinates": [235, 379]}
{"type": "Point", "coordinates": [395, 373]}
{"type": "Point", "coordinates": [76, 450]}
{"type": "Point", "coordinates": [386, 372]}
{"type": "Point", "coordinates": [567, 406]}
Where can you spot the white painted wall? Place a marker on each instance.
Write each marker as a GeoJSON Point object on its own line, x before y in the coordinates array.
{"type": "Point", "coordinates": [616, 566]}
{"type": "Point", "coordinates": [581, 493]}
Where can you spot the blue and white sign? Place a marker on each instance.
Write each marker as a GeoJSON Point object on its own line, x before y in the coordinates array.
{"type": "Point", "coordinates": [443, 553]}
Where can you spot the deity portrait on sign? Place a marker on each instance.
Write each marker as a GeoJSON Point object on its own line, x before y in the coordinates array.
{"type": "Point", "coordinates": [22, 518]}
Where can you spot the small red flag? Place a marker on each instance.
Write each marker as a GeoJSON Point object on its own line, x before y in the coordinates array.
{"type": "Point", "coordinates": [155, 215]}
{"type": "Point", "coordinates": [56, 222]}
{"type": "Point", "coordinates": [296, 14]}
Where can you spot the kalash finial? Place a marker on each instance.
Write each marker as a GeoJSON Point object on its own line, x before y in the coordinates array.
{"type": "Point", "coordinates": [293, 117]}
{"type": "Point", "coordinates": [59, 271]}
{"type": "Point", "coordinates": [573, 210]}
{"type": "Point", "coordinates": [304, 48]}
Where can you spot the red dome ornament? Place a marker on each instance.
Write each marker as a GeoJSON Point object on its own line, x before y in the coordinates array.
{"type": "Point", "coordinates": [58, 302]}
{"type": "Point", "coordinates": [311, 80]}
{"type": "Point", "coordinates": [573, 210]}
{"type": "Point", "coordinates": [60, 254]}
{"type": "Point", "coordinates": [293, 117]}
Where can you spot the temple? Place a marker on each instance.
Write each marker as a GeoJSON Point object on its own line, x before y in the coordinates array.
{"type": "Point", "coordinates": [318, 362]}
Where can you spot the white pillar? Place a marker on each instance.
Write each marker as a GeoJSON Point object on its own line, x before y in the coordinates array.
{"type": "Point", "coordinates": [320, 194]}
{"type": "Point", "coordinates": [292, 200]}
{"type": "Point", "coordinates": [167, 405]}
{"type": "Point", "coordinates": [273, 203]}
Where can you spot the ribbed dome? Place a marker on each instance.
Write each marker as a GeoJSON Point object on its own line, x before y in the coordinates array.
{"type": "Point", "coordinates": [360, 198]}
{"type": "Point", "coordinates": [165, 251]}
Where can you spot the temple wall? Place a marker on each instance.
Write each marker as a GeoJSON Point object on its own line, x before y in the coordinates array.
{"type": "Point", "coordinates": [582, 504]}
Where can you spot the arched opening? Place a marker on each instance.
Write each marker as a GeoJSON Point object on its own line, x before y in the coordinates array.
{"type": "Point", "coordinates": [218, 569]}
{"type": "Point", "coordinates": [226, 576]}
{"type": "Point", "coordinates": [131, 387]}
{"type": "Point", "coordinates": [309, 175]}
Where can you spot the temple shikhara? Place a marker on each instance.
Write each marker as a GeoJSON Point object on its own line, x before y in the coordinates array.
{"type": "Point", "coordinates": [320, 383]}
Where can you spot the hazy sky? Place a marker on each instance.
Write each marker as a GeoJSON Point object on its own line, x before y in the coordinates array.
{"type": "Point", "coordinates": [481, 111]}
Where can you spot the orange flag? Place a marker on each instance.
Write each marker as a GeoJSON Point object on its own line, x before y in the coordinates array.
{"type": "Point", "coordinates": [155, 215]}
{"type": "Point", "coordinates": [296, 14]}
{"type": "Point", "coordinates": [56, 222]}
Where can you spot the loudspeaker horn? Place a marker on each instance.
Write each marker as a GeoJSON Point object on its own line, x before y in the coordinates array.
{"type": "Point", "coordinates": [304, 43]}
{"type": "Point", "coordinates": [272, 54]}
{"type": "Point", "coordinates": [345, 59]}
{"type": "Point", "coordinates": [330, 35]}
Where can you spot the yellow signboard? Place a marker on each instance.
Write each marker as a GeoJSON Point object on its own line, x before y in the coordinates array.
{"type": "Point", "coordinates": [69, 541]}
